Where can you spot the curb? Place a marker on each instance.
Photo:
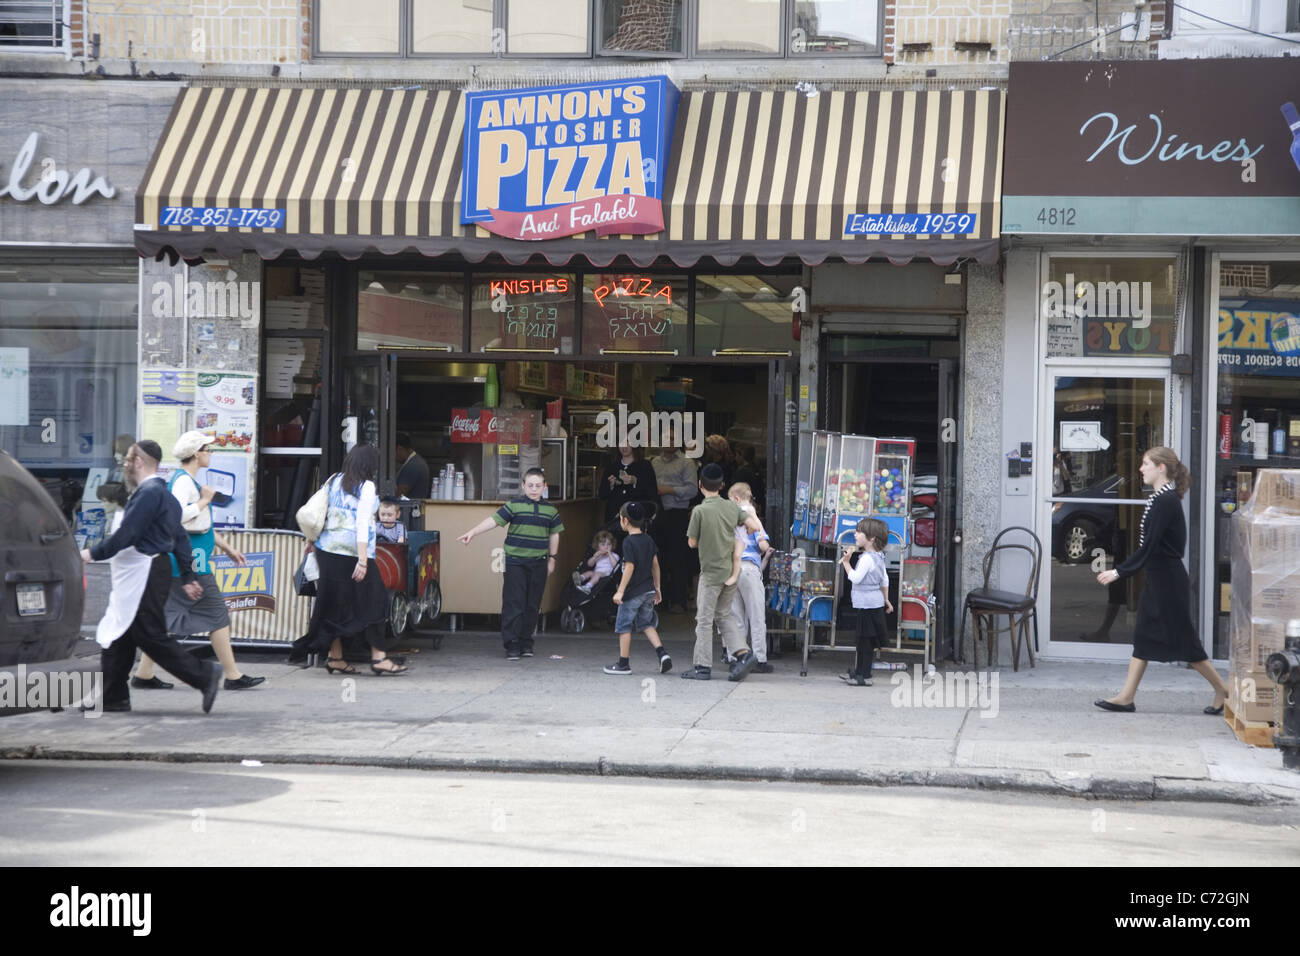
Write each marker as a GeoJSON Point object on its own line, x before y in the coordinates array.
{"type": "Point", "coordinates": [1038, 782]}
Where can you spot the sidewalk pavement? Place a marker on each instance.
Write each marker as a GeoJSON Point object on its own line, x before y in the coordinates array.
{"type": "Point", "coordinates": [464, 707]}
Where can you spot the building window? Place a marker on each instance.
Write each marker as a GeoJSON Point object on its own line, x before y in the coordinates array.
{"type": "Point", "coordinates": [1094, 307]}
{"type": "Point", "coordinates": [31, 24]}
{"type": "Point", "coordinates": [451, 26]}
{"type": "Point", "coordinates": [581, 28]}
{"type": "Point", "coordinates": [739, 26]}
{"type": "Point", "coordinates": [523, 311]}
{"type": "Point", "coordinates": [739, 313]}
{"type": "Point", "coordinates": [634, 312]}
{"type": "Point", "coordinates": [641, 26]}
{"type": "Point", "coordinates": [834, 27]}
{"type": "Point", "coordinates": [1236, 16]}
{"type": "Point", "coordinates": [410, 310]}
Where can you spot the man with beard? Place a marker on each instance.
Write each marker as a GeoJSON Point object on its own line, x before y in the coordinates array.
{"type": "Point", "coordinates": [150, 530]}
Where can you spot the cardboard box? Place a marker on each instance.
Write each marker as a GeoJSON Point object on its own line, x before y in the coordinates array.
{"type": "Point", "coordinates": [1252, 696]}
{"type": "Point", "coordinates": [1278, 489]}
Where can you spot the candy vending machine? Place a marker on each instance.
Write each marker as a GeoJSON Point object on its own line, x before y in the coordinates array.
{"type": "Point", "coordinates": [803, 486]}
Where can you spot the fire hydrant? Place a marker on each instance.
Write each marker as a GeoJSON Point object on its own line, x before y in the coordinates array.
{"type": "Point", "coordinates": [1284, 669]}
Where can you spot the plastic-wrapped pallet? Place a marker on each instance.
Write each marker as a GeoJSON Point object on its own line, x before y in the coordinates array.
{"type": "Point", "coordinates": [1265, 587]}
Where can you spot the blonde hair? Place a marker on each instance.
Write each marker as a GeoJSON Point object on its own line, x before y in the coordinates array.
{"type": "Point", "coordinates": [1175, 469]}
{"type": "Point", "coordinates": [603, 536]}
{"type": "Point", "coordinates": [740, 490]}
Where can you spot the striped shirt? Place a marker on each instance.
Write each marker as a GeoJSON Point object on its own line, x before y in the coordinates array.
{"type": "Point", "coordinates": [751, 538]}
{"type": "Point", "coordinates": [530, 526]}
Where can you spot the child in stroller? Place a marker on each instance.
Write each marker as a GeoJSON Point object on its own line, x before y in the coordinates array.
{"type": "Point", "coordinates": [579, 605]}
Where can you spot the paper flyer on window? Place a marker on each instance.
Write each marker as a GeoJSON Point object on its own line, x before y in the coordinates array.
{"type": "Point", "coordinates": [225, 405]}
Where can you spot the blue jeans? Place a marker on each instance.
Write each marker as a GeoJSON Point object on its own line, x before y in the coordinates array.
{"type": "Point", "coordinates": [636, 614]}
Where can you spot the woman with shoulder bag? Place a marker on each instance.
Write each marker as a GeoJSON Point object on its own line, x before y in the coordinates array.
{"type": "Point", "coordinates": [208, 614]}
{"type": "Point", "coordinates": [350, 594]}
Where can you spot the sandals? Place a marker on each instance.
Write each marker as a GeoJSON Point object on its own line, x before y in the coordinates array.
{"type": "Point", "coordinates": [391, 671]}
{"type": "Point", "coordinates": [345, 669]}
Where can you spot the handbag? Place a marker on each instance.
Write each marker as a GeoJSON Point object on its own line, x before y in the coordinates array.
{"type": "Point", "coordinates": [304, 579]}
{"type": "Point", "coordinates": [311, 516]}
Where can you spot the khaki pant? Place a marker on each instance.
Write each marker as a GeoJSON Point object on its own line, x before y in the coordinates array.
{"type": "Point", "coordinates": [751, 608]}
{"type": "Point", "coordinates": [714, 602]}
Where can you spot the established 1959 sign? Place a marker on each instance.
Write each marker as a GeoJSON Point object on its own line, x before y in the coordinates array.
{"type": "Point", "coordinates": [557, 161]}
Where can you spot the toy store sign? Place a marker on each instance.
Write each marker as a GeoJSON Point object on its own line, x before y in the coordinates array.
{"type": "Point", "coordinates": [557, 161]}
{"type": "Point", "coordinates": [1260, 337]}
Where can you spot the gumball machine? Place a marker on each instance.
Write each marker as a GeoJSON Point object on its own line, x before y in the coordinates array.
{"type": "Point", "coordinates": [891, 492]}
{"type": "Point", "coordinates": [851, 471]}
{"type": "Point", "coordinates": [803, 489]}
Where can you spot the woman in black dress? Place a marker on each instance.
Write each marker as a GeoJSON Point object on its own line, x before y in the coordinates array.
{"type": "Point", "coordinates": [1164, 630]}
{"type": "Point", "coordinates": [628, 477]}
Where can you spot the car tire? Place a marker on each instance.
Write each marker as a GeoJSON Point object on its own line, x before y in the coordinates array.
{"type": "Point", "coordinates": [1078, 538]}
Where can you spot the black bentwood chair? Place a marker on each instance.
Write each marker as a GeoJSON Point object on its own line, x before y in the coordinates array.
{"type": "Point", "coordinates": [987, 605]}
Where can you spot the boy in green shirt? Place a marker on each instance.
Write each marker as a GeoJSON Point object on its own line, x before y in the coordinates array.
{"type": "Point", "coordinates": [712, 531]}
{"type": "Point", "coordinates": [533, 529]}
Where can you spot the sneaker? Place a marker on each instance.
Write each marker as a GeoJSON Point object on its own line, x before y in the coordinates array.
{"type": "Point", "coordinates": [697, 673]}
{"type": "Point", "coordinates": [527, 652]}
{"type": "Point", "coordinates": [577, 579]}
{"type": "Point", "coordinates": [512, 653]}
{"type": "Point", "coordinates": [584, 588]}
{"type": "Point", "coordinates": [763, 667]}
{"type": "Point", "coordinates": [740, 670]}
{"type": "Point", "coordinates": [665, 664]}
{"type": "Point", "coordinates": [618, 668]}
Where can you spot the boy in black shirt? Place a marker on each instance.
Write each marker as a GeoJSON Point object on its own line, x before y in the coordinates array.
{"type": "Point", "coordinates": [638, 591]}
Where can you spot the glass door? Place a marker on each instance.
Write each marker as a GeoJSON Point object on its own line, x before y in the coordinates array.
{"type": "Point", "coordinates": [368, 395]}
{"type": "Point", "coordinates": [1103, 420]}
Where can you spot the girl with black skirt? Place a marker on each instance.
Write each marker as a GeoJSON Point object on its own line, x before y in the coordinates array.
{"type": "Point", "coordinates": [870, 595]}
{"type": "Point", "coordinates": [1164, 630]}
{"type": "Point", "coordinates": [350, 595]}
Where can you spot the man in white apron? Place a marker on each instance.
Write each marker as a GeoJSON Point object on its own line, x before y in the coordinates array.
{"type": "Point", "coordinates": [150, 529]}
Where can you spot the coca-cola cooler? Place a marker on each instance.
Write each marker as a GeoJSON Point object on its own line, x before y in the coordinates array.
{"type": "Point", "coordinates": [494, 447]}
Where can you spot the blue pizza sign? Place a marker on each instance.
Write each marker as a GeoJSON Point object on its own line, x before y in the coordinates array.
{"type": "Point", "coordinates": [561, 160]}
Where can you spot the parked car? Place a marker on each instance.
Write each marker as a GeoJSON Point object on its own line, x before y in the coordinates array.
{"type": "Point", "coordinates": [1080, 527]}
{"type": "Point", "coordinates": [42, 579]}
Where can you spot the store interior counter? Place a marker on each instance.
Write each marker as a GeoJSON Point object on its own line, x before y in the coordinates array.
{"type": "Point", "coordinates": [470, 575]}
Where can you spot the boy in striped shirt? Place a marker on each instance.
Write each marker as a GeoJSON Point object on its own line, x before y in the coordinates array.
{"type": "Point", "coordinates": [533, 529]}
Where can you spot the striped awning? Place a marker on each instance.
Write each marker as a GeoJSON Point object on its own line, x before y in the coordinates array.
{"type": "Point", "coordinates": [753, 174]}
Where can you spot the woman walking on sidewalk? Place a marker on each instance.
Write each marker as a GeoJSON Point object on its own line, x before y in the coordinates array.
{"type": "Point", "coordinates": [1164, 630]}
{"type": "Point", "coordinates": [350, 593]}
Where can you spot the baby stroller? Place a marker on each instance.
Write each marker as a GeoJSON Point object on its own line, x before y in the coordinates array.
{"type": "Point", "coordinates": [579, 606]}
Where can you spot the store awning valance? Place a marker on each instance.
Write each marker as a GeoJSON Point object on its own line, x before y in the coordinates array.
{"type": "Point", "coordinates": [848, 175]}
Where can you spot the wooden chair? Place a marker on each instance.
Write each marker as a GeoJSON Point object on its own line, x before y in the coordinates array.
{"type": "Point", "coordinates": [987, 605]}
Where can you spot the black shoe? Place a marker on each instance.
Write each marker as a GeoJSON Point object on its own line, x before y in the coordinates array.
{"type": "Point", "coordinates": [298, 652]}
{"type": "Point", "coordinates": [242, 683]}
{"type": "Point", "coordinates": [698, 673]}
{"type": "Point", "coordinates": [1118, 708]}
{"type": "Point", "coordinates": [122, 707]}
{"type": "Point", "coordinates": [665, 664]}
{"type": "Point", "coordinates": [855, 680]}
{"type": "Point", "coordinates": [1213, 711]}
{"type": "Point", "coordinates": [214, 684]}
{"type": "Point", "coordinates": [153, 683]}
{"type": "Point", "coordinates": [740, 670]}
{"type": "Point", "coordinates": [763, 667]}
{"type": "Point", "coordinates": [526, 652]}
{"type": "Point", "coordinates": [512, 653]}
{"type": "Point", "coordinates": [618, 668]}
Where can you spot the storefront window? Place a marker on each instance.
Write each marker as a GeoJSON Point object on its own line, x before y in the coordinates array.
{"type": "Point", "coordinates": [634, 312]}
{"type": "Point", "coordinates": [1258, 358]}
{"type": "Point", "coordinates": [410, 309]}
{"type": "Point", "coordinates": [359, 26]}
{"type": "Point", "coordinates": [531, 311]}
{"type": "Point", "coordinates": [642, 26]}
{"type": "Point", "coordinates": [739, 313]}
{"type": "Point", "coordinates": [459, 26]}
{"type": "Point", "coordinates": [68, 370]}
{"type": "Point", "coordinates": [1110, 306]}
{"type": "Point", "coordinates": [739, 26]}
